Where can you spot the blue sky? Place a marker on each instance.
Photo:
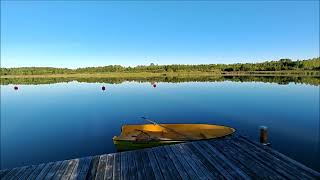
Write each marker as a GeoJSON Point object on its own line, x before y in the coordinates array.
{"type": "Point", "coordinates": [82, 33]}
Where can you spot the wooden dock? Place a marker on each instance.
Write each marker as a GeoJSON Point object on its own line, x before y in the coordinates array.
{"type": "Point", "coordinates": [229, 158]}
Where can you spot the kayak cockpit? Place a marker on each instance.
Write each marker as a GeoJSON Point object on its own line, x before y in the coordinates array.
{"type": "Point", "coordinates": [132, 136]}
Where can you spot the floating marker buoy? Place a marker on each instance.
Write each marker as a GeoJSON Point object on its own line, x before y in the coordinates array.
{"type": "Point", "coordinates": [103, 88]}
{"type": "Point", "coordinates": [16, 88]}
{"type": "Point", "coordinates": [154, 85]}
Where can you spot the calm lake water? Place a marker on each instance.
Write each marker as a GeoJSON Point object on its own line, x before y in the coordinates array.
{"type": "Point", "coordinates": [50, 122]}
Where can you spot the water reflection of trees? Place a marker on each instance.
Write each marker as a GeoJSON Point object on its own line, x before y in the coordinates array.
{"type": "Point", "coordinates": [171, 79]}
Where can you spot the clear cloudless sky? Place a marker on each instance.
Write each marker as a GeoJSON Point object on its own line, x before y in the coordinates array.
{"type": "Point", "coordinates": [82, 33]}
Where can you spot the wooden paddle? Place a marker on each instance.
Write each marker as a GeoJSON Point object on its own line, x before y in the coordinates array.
{"type": "Point", "coordinates": [155, 123]}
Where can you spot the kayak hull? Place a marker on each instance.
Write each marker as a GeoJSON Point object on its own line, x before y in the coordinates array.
{"type": "Point", "coordinates": [133, 145]}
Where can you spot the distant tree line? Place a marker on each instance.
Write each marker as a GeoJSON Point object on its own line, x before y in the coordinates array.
{"type": "Point", "coordinates": [281, 65]}
{"type": "Point", "coordinates": [170, 79]}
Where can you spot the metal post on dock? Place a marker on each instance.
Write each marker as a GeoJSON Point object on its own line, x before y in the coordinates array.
{"type": "Point", "coordinates": [264, 135]}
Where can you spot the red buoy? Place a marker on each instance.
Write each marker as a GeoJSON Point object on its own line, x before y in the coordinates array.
{"type": "Point", "coordinates": [16, 88]}
{"type": "Point", "coordinates": [103, 88]}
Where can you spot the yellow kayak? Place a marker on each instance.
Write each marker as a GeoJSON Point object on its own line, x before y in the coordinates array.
{"type": "Point", "coordinates": [150, 135]}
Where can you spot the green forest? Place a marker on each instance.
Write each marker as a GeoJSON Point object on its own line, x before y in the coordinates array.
{"type": "Point", "coordinates": [311, 66]}
{"type": "Point", "coordinates": [169, 79]}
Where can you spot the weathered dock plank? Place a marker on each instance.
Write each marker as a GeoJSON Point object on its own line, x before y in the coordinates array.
{"type": "Point", "coordinates": [145, 163]}
{"type": "Point", "coordinates": [116, 166]}
{"type": "Point", "coordinates": [182, 172]}
{"type": "Point", "coordinates": [3, 173]}
{"type": "Point", "coordinates": [270, 160]}
{"type": "Point", "coordinates": [166, 166]}
{"type": "Point", "coordinates": [245, 159]}
{"type": "Point", "coordinates": [124, 165]}
{"type": "Point", "coordinates": [154, 165]}
{"type": "Point", "coordinates": [44, 171]}
{"type": "Point", "coordinates": [180, 158]}
{"type": "Point", "coordinates": [201, 169]}
{"type": "Point", "coordinates": [109, 167]}
{"type": "Point", "coordinates": [271, 164]}
{"type": "Point", "coordinates": [131, 166]}
{"type": "Point", "coordinates": [68, 171]}
{"type": "Point", "coordinates": [298, 166]}
{"type": "Point", "coordinates": [20, 172]}
{"type": "Point", "coordinates": [27, 172]}
{"type": "Point", "coordinates": [9, 174]}
{"type": "Point", "coordinates": [14, 173]}
{"type": "Point", "coordinates": [222, 164]}
{"type": "Point", "coordinates": [237, 159]}
{"type": "Point", "coordinates": [234, 157]}
{"type": "Point", "coordinates": [93, 167]}
{"type": "Point", "coordinates": [36, 171]}
{"type": "Point", "coordinates": [81, 170]}
{"type": "Point", "coordinates": [101, 167]}
{"type": "Point", "coordinates": [60, 170]}
{"type": "Point", "coordinates": [53, 170]}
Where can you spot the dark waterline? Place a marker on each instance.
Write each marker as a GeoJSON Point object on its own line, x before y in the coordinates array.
{"type": "Point", "coordinates": [49, 122]}
{"type": "Point", "coordinates": [283, 80]}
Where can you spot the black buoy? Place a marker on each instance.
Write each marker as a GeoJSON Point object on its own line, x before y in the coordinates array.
{"type": "Point", "coordinates": [103, 88]}
{"type": "Point", "coordinates": [154, 85]}
{"type": "Point", "coordinates": [16, 88]}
